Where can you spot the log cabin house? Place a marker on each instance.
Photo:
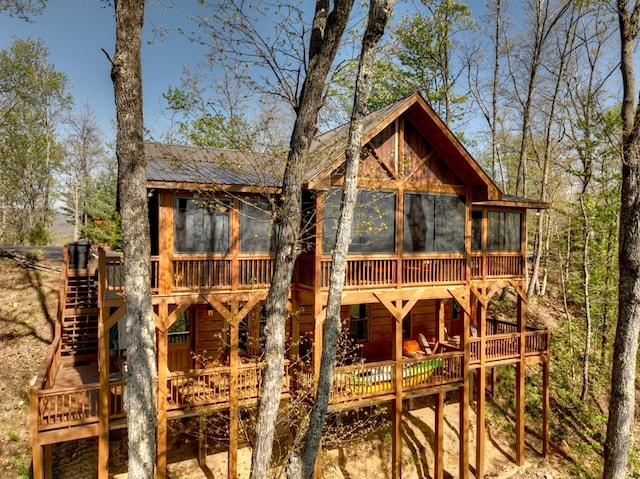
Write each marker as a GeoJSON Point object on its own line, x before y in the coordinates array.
{"type": "Point", "coordinates": [434, 240]}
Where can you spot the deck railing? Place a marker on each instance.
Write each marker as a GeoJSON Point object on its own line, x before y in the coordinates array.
{"type": "Point", "coordinates": [189, 272]}
{"type": "Point", "coordinates": [433, 270]}
{"type": "Point", "coordinates": [496, 265]}
{"type": "Point", "coordinates": [506, 346]}
{"type": "Point", "coordinates": [207, 387]}
{"type": "Point", "coordinates": [67, 407]}
{"type": "Point", "coordinates": [537, 342]}
{"type": "Point", "coordinates": [363, 272]}
{"type": "Point", "coordinates": [370, 380]}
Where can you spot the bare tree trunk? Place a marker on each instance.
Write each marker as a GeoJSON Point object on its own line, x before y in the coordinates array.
{"type": "Point", "coordinates": [141, 341]}
{"type": "Point", "coordinates": [623, 377]}
{"type": "Point", "coordinates": [379, 11]}
{"type": "Point", "coordinates": [606, 307]}
{"type": "Point", "coordinates": [326, 35]}
{"type": "Point", "coordinates": [587, 299]}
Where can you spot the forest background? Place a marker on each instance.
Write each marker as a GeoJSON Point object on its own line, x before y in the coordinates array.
{"type": "Point", "coordinates": [532, 89]}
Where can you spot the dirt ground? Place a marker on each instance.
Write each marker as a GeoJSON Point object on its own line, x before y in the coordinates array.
{"type": "Point", "coordinates": [27, 315]}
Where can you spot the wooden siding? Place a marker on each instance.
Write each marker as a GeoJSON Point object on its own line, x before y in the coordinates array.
{"type": "Point", "coordinates": [210, 333]}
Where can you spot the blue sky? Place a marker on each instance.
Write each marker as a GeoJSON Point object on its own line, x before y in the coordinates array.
{"type": "Point", "coordinates": [76, 30]}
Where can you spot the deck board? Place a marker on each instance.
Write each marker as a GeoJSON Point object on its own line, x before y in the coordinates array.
{"type": "Point", "coordinates": [70, 375]}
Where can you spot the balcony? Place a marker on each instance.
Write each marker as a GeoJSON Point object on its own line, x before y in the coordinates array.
{"type": "Point", "coordinates": [204, 272]}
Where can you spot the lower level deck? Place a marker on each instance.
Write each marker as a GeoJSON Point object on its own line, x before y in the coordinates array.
{"type": "Point", "coordinates": [72, 398]}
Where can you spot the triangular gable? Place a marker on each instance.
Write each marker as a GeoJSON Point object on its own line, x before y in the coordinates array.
{"type": "Point", "coordinates": [430, 151]}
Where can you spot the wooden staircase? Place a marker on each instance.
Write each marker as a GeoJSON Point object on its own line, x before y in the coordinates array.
{"type": "Point", "coordinates": [79, 319]}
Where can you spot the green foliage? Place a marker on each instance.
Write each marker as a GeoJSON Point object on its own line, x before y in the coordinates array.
{"type": "Point", "coordinates": [103, 224]}
{"type": "Point", "coordinates": [32, 98]}
{"type": "Point", "coordinates": [13, 434]}
{"type": "Point", "coordinates": [201, 124]}
{"type": "Point", "coordinates": [38, 236]}
{"type": "Point", "coordinates": [34, 255]}
{"type": "Point", "coordinates": [420, 57]}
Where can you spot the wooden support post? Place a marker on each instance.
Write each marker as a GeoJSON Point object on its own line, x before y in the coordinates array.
{"type": "Point", "coordinates": [104, 395]}
{"type": "Point", "coordinates": [163, 348]}
{"type": "Point", "coordinates": [165, 247]}
{"type": "Point", "coordinates": [37, 461]}
{"type": "Point", "coordinates": [48, 460]}
{"type": "Point", "coordinates": [438, 466]}
{"type": "Point", "coordinates": [493, 381]}
{"type": "Point", "coordinates": [520, 381]}
{"type": "Point", "coordinates": [232, 467]}
{"type": "Point", "coordinates": [481, 385]}
{"type": "Point", "coordinates": [396, 433]}
{"type": "Point", "coordinates": [202, 441]}
{"type": "Point", "coordinates": [295, 327]}
{"type": "Point", "coordinates": [463, 394]}
{"type": "Point", "coordinates": [545, 407]}
{"type": "Point", "coordinates": [318, 323]}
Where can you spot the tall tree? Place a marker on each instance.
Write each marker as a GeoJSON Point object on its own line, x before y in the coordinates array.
{"type": "Point", "coordinates": [32, 97]}
{"type": "Point", "coordinates": [327, 29]}
{"type": "Point", "coordinates": [544, 17]}
{"type": "Point", "coordinates": [141, 407]}
{"type": "Point", "coordinates": [421, 56]}
{"type": "Point", "coordinates": [379, 12]}
{"type": "Point", "coordinates": [623, 376]}
{"type": "Point", "coordinates": [84, 154]}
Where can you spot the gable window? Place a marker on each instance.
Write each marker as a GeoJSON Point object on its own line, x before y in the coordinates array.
{"type": "Point", "coordinates": [434, 223]}
{"type": "Point", "coordinates": [503, 231]}
{"type": "Point", "coordinates": [201, 225]}
{"type": "Point", "coordinates": [257, 231]}
{"type": "Point", "coordinates": [374, 225]}
{"type": "Point", "coordinates": [359, 322]}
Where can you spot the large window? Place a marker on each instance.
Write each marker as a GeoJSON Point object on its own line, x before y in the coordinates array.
{"type": "Point", "coordinates": [201, 225]}
{"type": "Point", "coordinates": [476, 230]}
{"type": "Point", "coordinates": [257, 232]}
{"type": "Point", "coordinates": [434, 223]}
{"type": "Point", "coordinates": [503, 231]}
{"type": "Point", "coordinates": [359, 322]}
{"type": "Point", "coordinates": [374, 225]}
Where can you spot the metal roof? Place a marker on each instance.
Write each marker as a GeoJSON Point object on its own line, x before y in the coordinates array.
{"type": "Point", "coordinates": [198, 165]}
{"type": "Point", "coordinates": [180, 166]}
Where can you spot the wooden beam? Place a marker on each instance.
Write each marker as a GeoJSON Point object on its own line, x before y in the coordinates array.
{"type": "Point", "coordinates": [163, 348]}
{"type": "Point", "coordinates": [395, 307]}
{"type": "Point", "coordinates": [396, 420]}
{"type": "Point", "coordinates": [37, 460]}
{"type": "Point", "coordinates": [463, 395]}
{"type": "Point", "coordinates": [112, 319]}
{"type": "Point", "coordinates": [438, 465]}
{"type": "Point", "coordinates": [462, 296]}
{"type": "Point", "coordinates": [481, 386]}
{"type": "Point", "coordinates": [103, 395]}
{"type": "Point", "coordinates": [520, 384]}
{"type": "Point", "coordinates": [236, 316]}
{"type": "Point", "coordinates": [545, 408]}
{"type": "Point", "coordinates": [165, 241]}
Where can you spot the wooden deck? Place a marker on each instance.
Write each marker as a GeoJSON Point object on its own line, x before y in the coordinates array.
{"type": "Point", "coordinates": [218, 273]}
{"type": "Point", "coordinates": [72, 399]}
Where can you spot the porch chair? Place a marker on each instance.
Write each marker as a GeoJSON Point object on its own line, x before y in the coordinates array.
{"type": "Point", "coordinates": [424, 344]}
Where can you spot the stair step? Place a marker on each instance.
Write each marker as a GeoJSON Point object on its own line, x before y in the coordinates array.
{"type": "Point", "coordinates": [74, 312]}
